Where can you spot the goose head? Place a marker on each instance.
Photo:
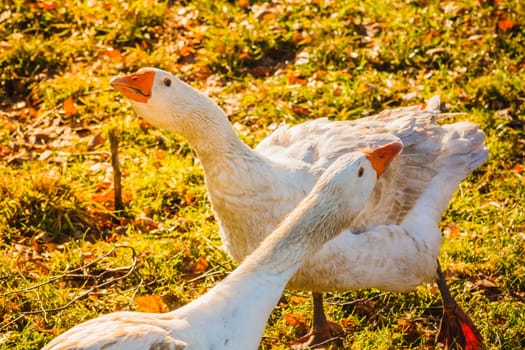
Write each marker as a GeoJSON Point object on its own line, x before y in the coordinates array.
{"type": "Point", "coordinates": [353, 176]}
{"type": "Point", "coordinates": [168, 103]}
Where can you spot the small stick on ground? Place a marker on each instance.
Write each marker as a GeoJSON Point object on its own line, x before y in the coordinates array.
{"type": "Point", "coordinates": [117, 184]}
{"type": "Point", "coordinates": [82, 272]}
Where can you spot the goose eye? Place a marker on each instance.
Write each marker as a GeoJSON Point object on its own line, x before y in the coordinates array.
{"type": "Point", "coordinates": [360, 172]}
{"type": "Point", "coordinates": [167, 82]}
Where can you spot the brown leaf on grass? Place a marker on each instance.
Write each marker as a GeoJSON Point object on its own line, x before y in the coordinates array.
{"type": "Point", "coordinates": [112, 53]}
{"type": "Point", "coordinates": [197, 266]}
{"type": "Point", "coordinates": [104, 184]}
{"type": "Point", "coordinates": [297, 300]}
{"type": "Point", "coordinates": [518, 168]}
{"type": "Point", "coordinates": [295, 320]}
{"type": "Point", "coordinates": [41, 268]}
{"type": "Point", "coordinates": [220, 48]}
{"type": "Point", "coordinates": [144, 125]}
{"type": "Point", "coordinates": [147, 212]}
{"type": "Point", "coordinates": [47, 5]}
{"type": "Point", "coordinates": [186, 50]}
{"type": "Point", "coordinates": [348, 325]}
{"type": "Point", "coordinates": [146, 224]}
{"type": "Point", "coordinates": [108, 197]}
{"type": "Point", "coordinates": [408, 329]}
{"type": "Point", "coordinates": [112, 238]}
{"type": "Point", "coordinates": [366, 309]}
{"type": "Point", "coordinates": [259, 71]}
{"type": "Point", "coordinates": [28, 112]}
{"type": "Point", "coordinates": [321, 73]}
{"type": "Point", "coordinates": [69, 107]}
{"type": "Point", "coordinates": [488, 287]}
{"type": "Point", "coordinates": [451, 231]}
{"type": "Point", "coordinates": [243, 3]}
{"type": "Point", "coordinates": [159, 153]}
{"type": "Point", "coordinates": [244, 55]}
{"type": "Point", "coordinates": [297, 37]}
{"type": "Point", "coordinates": [95, 141]}
{"type": "Point", "coordinates": [150, 303]}
{"type": "Point", "coordinates": [431, 34]}
{"type": "Point", "coordinates": [188, 197]}
{"type": "Point", "coordinates": [5, 151]}
{"type": "Point", "coordinates": [505, 24]}
{"type": "Point", "coordinates": [269, 16]}
{"type": "Point", "coordinates": [300, 110]}
{"type": "Point", "coordinates": [200, 265]}
{"type": "Point", "coordinates": [295, 79]}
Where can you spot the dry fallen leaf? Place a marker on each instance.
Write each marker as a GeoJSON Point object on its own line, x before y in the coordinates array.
{"type": "Point", "coordinates": [29, 112]}
{"type": "Point", "coordinates": [408, 329]}
{"type": "Point", "coordinates": [200, 265]}
{"type": "Point", "coordinates": [294, 79]}
{"type": "Point", "coordinates": [348, 324]}
{"type": "Point", "coordinates": [69, 107]}
{"type": "Point", "coordinates": [150, 303]}
{"type": "Point", "coordinates": [243, 3]}
{"type": "Point", "coordinates": [194, 266]}
{"type": "Point", "coordinates": [297, 300]}
{"type": "Point", "coordinates": [144, 125]}
{"type": "Point", "coordinates": [146, 223]}
{"type": "Point", "coordinates": [188, 197]}
{"type": "Point", "coordinates": [451, 231]}
{"type": "Point", "coordinates": [187, 50]}
{"type": "Point", "coordinates": [47, 5]}
{"type": "Point", "coordinates": [300, 110]}
{"type": "Point", "coordinates": [112, 53]}
{"type": "Point", "coordinates": [505, 24]}
{"type": "Point", "coordinates": [269, 16]}
{"type": "Point", "coordinates": [295, 320]}
{"type": "Point", "coordinates": [95, 141]}
{"type": "Point", "coordinates": [518, 168]}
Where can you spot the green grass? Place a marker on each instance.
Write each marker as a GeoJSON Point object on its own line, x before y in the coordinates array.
{"type": "Point", "coordinates": [264, 63]}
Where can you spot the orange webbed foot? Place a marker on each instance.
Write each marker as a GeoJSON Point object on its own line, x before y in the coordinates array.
{"type": "Point", "coordinates": [457, 331]}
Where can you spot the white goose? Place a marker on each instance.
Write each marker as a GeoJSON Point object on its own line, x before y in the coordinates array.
{"type": "Point", "coordinates": [233, 314]}
{"type": "Point", "coordinates": [252, 190]}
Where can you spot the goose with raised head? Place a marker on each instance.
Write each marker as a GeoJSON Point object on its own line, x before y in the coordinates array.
{"type": "Point", "coordinates": [233, 314]}
{"type": "Point", "coordinates": [251, 190]}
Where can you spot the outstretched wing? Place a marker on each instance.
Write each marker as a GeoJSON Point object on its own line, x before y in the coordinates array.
{"type": "Point", "coordinates": [320, 142]}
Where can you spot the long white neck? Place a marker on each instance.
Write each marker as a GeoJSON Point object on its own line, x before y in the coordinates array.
{"type": "Point", "coordinates": [207, 127]}
{"type": "Point", "coordinates": [241, 304]}
{"type": "Point", "coordinates": [228, 163]}
{"type": "Point", "coordinates": [233, 171]}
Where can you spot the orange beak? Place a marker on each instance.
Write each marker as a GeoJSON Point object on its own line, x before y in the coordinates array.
{"type": "Point", "coordinates": [382, 156]}
{"type": "Point", "coordinates": [136, 86]}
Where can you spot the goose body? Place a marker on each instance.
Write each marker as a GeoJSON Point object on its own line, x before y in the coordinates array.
{"type": "Point", "coordinates": [393, 245]}
{"type": "Point", "coordinates": [233, 314]}
{"type": "Point", "coordinates": [394, 242]}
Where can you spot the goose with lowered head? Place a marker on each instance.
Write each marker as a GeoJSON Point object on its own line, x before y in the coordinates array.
{"type": "Point", "coordinates": [251, 190]}
{"type": "Point", "coordinates": [233, 314]}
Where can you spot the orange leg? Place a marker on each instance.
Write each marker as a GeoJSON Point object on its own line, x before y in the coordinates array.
{"type": "Point", "coordinates": [324, 334]}
{"type": "Point", "coordinates": [457, 331]}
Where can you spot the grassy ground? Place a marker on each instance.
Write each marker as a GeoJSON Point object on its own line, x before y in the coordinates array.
{"type": "Point", "coordinates": [265, 63]}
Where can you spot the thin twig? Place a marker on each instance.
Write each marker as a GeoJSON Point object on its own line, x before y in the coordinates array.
{"type": "Point", "coordinates": [355, 301]}
{"type": "Point", "coordinates": [130, 269]}
{"type": "Point", "coordinates": [117, 175]}
{"type": "Point", "coordinates": [71, 273]}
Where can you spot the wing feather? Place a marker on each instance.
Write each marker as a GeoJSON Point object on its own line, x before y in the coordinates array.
{"type": "Point", "coordinates": [321, 141]}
